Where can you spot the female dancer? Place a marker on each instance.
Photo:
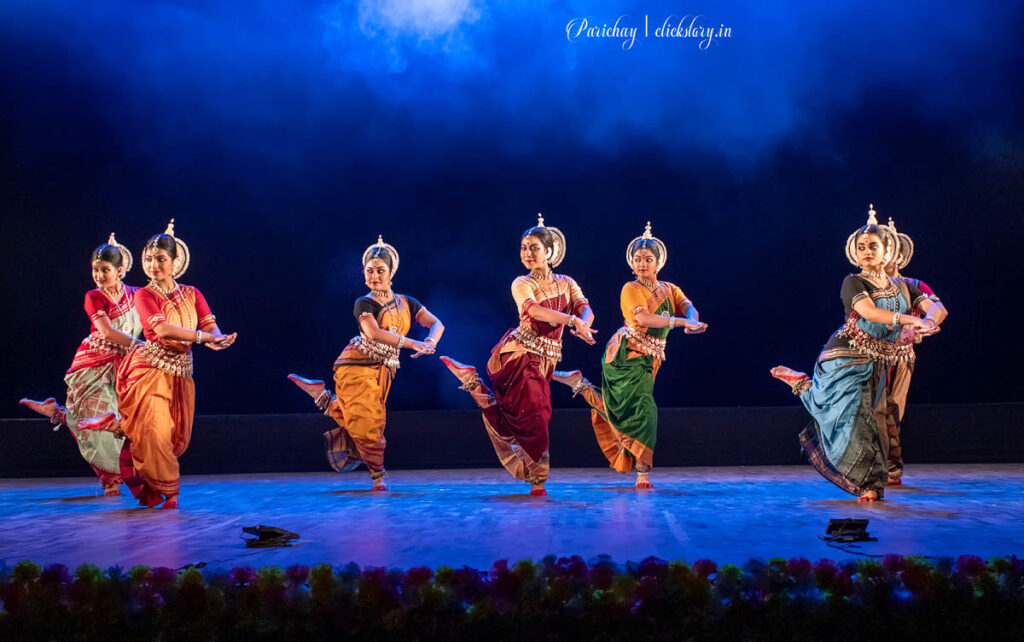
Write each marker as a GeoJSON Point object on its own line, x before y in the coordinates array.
{"type": "Point", "coordinates": [517, 412]}
{"type": "Point", "coordinates": [154, 383]}
{"type": "Point", "coordinates": [846, 397]}
{"type": "Point", "coordinates": [934, 313]}
{"type": "Point", "coordinates": [90, 379]}
{"type": "Point", "coordinates": [623, 411]}
{"type": "Point", "coordinates": [366, 367]}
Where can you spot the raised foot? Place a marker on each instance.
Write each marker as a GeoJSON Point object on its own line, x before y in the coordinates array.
{"type": "Point", "coordinates": [171, 503]}
{"type": "Point", "coordinates": [312, 387]}
{"type": "Point", "coordinates": [796, 380]}
{"type": "Point", "coordinates": [571, 378]}
{"type": "Point", "coordinates": [894, 481]}
{"type": "Point", "coordinates": [112, 491]}
{"type": "Point", "coordinates": [46, 408]}
{"type": "Point", "coordinates": [869, 496]}
{"type": "Point", "coordinates": [465, 374]}
{"type": "Point", "coordinates": [107, 422]}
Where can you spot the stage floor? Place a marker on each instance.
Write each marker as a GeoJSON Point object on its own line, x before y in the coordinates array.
{"type": "Point", "coordinates": [474, 517]}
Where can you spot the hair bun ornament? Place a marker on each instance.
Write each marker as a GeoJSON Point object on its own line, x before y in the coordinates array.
{"type": "Point", "coordinates": [851, 241]}
{"type": "Point", "coordinates": [557, 253]}
{"type": "Point", "coordinates": [184, 256]}
{"type": "Point", "coordinates": [906, 246]}
{"type": "Point", "coordinates": [650, 238]}
{"type": "Point", "coordinates": [126, 254]}
{"type": "Point", "coordinates": [390, 249]}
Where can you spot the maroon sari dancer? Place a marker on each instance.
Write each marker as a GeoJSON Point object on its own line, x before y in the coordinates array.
{"type": "Point", "coordinates": [517, 412]}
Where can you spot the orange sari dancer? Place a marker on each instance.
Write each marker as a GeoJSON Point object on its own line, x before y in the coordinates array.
{"type": "Point", "coordinates": [623, 411]}
{"type": "Point", "coordinates": [155, 391]}
{"type": "Point", "coordinates": [516, 413]}
{"type": "Point", "coordinates": [364, 370]}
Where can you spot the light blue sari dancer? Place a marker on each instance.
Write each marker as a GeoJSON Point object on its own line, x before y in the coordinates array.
{"type": "Point", "coordinates": [845, 441]}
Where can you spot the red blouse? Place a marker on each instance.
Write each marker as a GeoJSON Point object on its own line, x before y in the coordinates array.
{"type": "Point", "coordinates": [94, 349]}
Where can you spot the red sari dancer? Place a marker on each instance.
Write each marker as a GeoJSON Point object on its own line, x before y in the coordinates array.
{"type": "Point", "coordinates": [90, 379]}
{"type": "Point", "coordinates": [516, 413]}
{"type": "Point", "coordinates": [365, 369]}
{"type": "Point", "coordinates": [933, 313]}
{"type": "Point", "coordinates": [154, 383]}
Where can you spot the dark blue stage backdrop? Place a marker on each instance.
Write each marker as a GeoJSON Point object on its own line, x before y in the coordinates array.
{"type": "Point", "coordinates": [285, 136]}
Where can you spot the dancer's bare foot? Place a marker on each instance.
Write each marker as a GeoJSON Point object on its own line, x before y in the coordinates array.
{"type": "Point", "coordinates": [107, 422]}
{"type": "Point", "coordinates": [171, 503]}
{"type": "Point", "coordinates": [537, 488]}
{"type": "Point", "coordinates": [642, 481]}
{"type": "Point", "coordinates": [894, 481]}
{"type": "Point", "coordinates": [380, 484]}
{"type": "Point", "coordinates": [111, 490]}
{"type": "Point", "coordinates": [465, 374]}
{"type": "Point", "coordinates": [571, 378]}
{"type": "Point", "coordinates": [312, 387]}
{"type": "Point", "coordinates": [869, 496]}
{"type": "Point", "coordinates": [46, 408]}
{"type": "Point", "coordinates": [792, 378]}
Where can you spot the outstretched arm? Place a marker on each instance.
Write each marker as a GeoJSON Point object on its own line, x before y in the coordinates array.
{"type": "Point", "coordinates": [865, 307]}
{"type": "Point", "coordinates": [369, 327]}
{"type": "Point", "coordinates": [112, 334]}
{"type": "Point", "coordinates": [428, 320]}
{"type": "Point", "coordinates": [690, 319]}
{"type": "Point", "coordinates": [579, 324]}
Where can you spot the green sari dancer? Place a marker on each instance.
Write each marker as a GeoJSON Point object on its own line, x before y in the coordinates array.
{"type": "Point", "coordinates": [623, 412]}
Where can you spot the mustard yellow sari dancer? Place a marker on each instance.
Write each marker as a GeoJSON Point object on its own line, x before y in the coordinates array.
{"type": "Point", "coordinates": [364, 370]}
{"type": "Point", "coordinates": [155, 391]}
{"type": "Point", "coordinates": [623, 412]}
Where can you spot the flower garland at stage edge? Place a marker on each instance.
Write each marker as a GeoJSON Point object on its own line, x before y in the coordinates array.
{"type": "Point", "coordinates": [566, 597]}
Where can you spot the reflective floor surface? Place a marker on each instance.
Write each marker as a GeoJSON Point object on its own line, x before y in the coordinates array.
{"type": "Point", "coordinates": [474, 517]}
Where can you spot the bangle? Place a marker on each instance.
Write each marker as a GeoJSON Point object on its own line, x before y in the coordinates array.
{"type": "Point", "coordinates": [572, 319]}
{"type": "Point", "coordinates": [199, 336]}
{"type": "Point", "coordinates": [430, 340]}
{"type": "Point", "coordinates": [896, 318]}
{"type": "Point", "coordinates": [401, 340]}
{"type": "Point", "coordinates": [671, 322]}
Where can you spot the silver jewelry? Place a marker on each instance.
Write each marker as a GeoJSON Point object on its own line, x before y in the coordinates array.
{"type": "Point", "coordinates": [401, 340]}
{"type": "Point", "coordinates": [383, 295]}
{"type": "Point", "coordinates": [117, 291]}
{"type": "Point", "coordinates": [542, 277]}
{"type": "Point", "coordinates": [162, 292]}
{"type": "Point", "coordinates": [671, 322]}
{"type": "Point", "coordinates": [650, 285]}
{"type": "Point", "coordinates": [199, 336]}
{"type": "Point", "coordinates": [896, 317]}
{"type": "Point", "coordinates": [572, 319]}
{"type": "Point", "coordinates": [872, 275]}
